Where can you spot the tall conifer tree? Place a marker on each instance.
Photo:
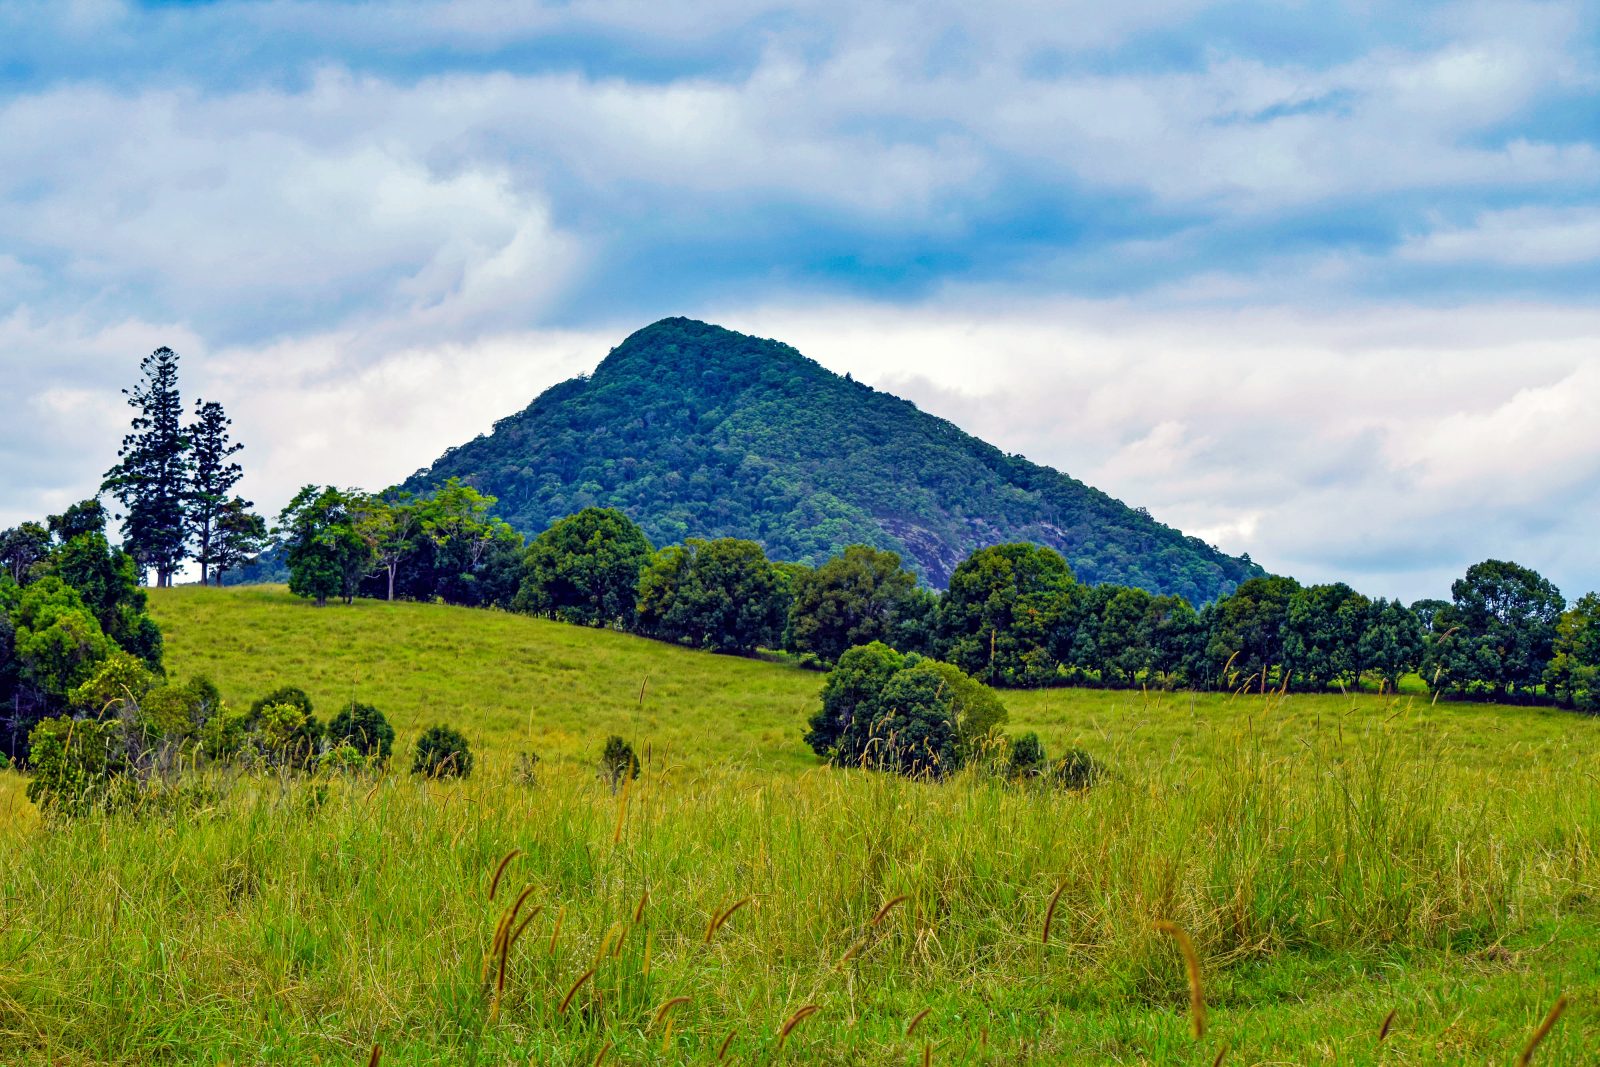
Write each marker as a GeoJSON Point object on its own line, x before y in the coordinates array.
{"type": "Point", "coordinates": [211, 478]}
{"type": "Point", "coordinates": [151, 481]}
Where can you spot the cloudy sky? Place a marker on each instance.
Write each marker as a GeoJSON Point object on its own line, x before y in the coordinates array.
{"type": "Point", "coordinates": [1313, 281]}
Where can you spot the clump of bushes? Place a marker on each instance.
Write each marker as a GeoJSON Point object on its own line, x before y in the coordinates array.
{"type": "Point", "coordinates": [442, 752]}
{"type": "Point", "coordinates": [1027, 761]}
{"type": "Point", "coordinates": [618, 763]}
{"type": "Point", "coordinates": [79, 765]}
{"type": "Point", "coordinates": [904, 713]}
{"type": "Point", "coordinates": [923, 718]}
{"type": "Point", "coordinates": [131, 733]}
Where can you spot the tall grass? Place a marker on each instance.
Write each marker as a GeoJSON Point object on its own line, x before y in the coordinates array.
{"type": "Point", "coordinates": [323, 917]}
{"type": "Point", "coordinates": [1347, 869]}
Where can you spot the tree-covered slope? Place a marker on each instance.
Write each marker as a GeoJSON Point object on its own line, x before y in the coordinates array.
{"type": "Point", "coordinates": [697, 431]}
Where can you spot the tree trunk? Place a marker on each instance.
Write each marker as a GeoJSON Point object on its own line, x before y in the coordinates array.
{"type": "Point", "coordinates": [391, 581]}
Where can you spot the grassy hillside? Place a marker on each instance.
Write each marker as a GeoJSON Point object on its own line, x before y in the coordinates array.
{"type": "Point", "coordinates": [1335, 859]}
{"type": "Point", "coordinates": [698, 431]}
{"type": "Point", "coordinates": [510, 682]}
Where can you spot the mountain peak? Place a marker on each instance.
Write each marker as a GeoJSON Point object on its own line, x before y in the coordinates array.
{"type": "Point", "coordinates": [695, 430]}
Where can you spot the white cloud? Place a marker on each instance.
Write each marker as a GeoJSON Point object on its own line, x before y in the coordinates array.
{"type": "Point", "coordinates": [365, 267]}
{"type": "Point", "coordinates": [1387, 446]}
{"type": "Point", "coordinates": [1519, 237]}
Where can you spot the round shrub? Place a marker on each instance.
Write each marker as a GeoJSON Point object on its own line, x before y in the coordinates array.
{"type": "Point", "coordinates": [364, 728]}
{"type": "Point", "coordinates": [286, 734]}
{"type": "Point", "coordinates": [1027, 758]}
{"type": "Point", "coordinates": [285, 694]}
{"type": "Point", "coordinates": [442, 753]}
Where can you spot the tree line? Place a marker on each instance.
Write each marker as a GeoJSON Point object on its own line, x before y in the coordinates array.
{"type": "Point", "coordinates": [1013, 615]}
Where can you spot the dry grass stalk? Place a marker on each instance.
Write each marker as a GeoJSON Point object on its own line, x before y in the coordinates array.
{"type": "Point", "coordinates": [916, 1021]}
{"type": "Point", "coordinates": [377, 1054]}
{"type": "Point", "coordinates": [1050, 912]}
{"type": "Point", "coordinates": [1191, 962]}
{"type": "Point", "coordinates": [927, 1054]}
{"type": "Point", "coordinates": [523, 925]}
{"type": "Point", "coordinates": [852, 953]}
{"type": "Point", "coordinates": [566, 1001]}
{"type": "Point", "coordinates": [600, 1057]}
{"type": "Point", "coordinates": [612, 931]}
{"type": "Point", "coordinates": [638, 912]}
{"type": "Point", "coordinates": [1543, 1032]}
{"type": "Point", "coordinates": [888, 906]}
{"type": "Point", "coordinates": [666, 1009]}
{"type": "Point", "coordinates": [622, 811]}
{"type": "Point", "coordinates": [1388, 1024]}
{"type": "Point", "coordinates": [727, 1043]}
{"type": "Point", "coordinates": [1221, 1054]}
{"type": "Point", "coordinates": [561, 913]}
{"type": "Point", "coordinates": [723, 916]}
{"type": "Point", "coordinates": [494, 883]}
{"type": "Point", "coordinates": [801, 1015]}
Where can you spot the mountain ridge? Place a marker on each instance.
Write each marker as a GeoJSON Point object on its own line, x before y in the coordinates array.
{"type": "Point", "coordinates": [695, 430]}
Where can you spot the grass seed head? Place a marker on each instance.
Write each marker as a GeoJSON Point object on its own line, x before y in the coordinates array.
{"type": "Point", "coordinates": [1191, 962]}
{"type": "Point", "coordinates": [801, 1015]}
{"type": "Point", "coordinates": [1543, 1032]}
{"type": "Point", "coordinates": [494, 883]}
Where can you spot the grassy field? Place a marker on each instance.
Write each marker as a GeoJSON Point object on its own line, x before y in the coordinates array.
{"type": "Point", "coordinates": [1334, 858]}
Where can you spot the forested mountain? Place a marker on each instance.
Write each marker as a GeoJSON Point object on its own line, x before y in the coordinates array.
{"type": "Point", "coordinates": [697, 431]}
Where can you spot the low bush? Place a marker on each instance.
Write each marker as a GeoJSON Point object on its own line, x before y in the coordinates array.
{"type": "Point", "coordinates": [442, 753]}
{"type": "Point", "coordinates": [287, 735]}
{"type": "Point", "coordinates": [284, 694]}
{"type": "Point", "coordinates": [79, 765]}
{"type": "Point", "coordinates": [526, 769]}
{"type": "Point", "coordinates": [364, 728]}
{"type": "Point", "coordinates": [618, 763]}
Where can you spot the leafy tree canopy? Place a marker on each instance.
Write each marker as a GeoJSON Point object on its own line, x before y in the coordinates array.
{"type": "Point", "coordinates": [854, 598]}
{"type": "Point", "coordinates": [585, 569]}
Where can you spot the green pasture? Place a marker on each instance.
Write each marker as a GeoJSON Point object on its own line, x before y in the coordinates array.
{"type": "Point", "coordinates": [1335, 859]}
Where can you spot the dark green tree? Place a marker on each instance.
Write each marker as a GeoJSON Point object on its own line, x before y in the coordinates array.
{"type": "Point", "coordinates": [442, 753]}
{"type": "Point", "coordinates": [106, 578]}
{"type": "Point", "coordinates": [1322, 630]}
{"type": "Point", "coordinates": [1573, 676]}
{"type": "Point", "coordinates": [364, 728]}
{"type": "Point", "coordinates": [997, 618]}
{"type": "Point", "coordinates": [1501, 632]}
{"type": "Point", "coordinates": [1432, 614]}
{"type": "Point", "coordinates": [585, 569]}
{"type": "Point", "coordinates": [618, 763]}
{"type": "Point", "coordinates": [1391, 643]}
{"type": "Point", "coordinates": [854, 598]}
{"type": "Point", "coordinates": [1176, 637]}
{"type": "Point", "coordinates": [21, 549]}
{"type": "Point", "coordinates": [326, 557]}
{"type": "Point", "coordinates": [241, 536]}
{"type": "Point", "coordinates": [1126, 650]}
{"type": "Point", "coordinates": [212, 476]}
{"type": "Point", "coordinates": [903, 713]}
{"type": "Point", "coordinates": [152, 478]}
{"type": "Point", "coordinates": [1246, 635]}
{"type": "Point", "coordinates": [851, 702]}
{"type": "Point", "coordinates": [723, 595]}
